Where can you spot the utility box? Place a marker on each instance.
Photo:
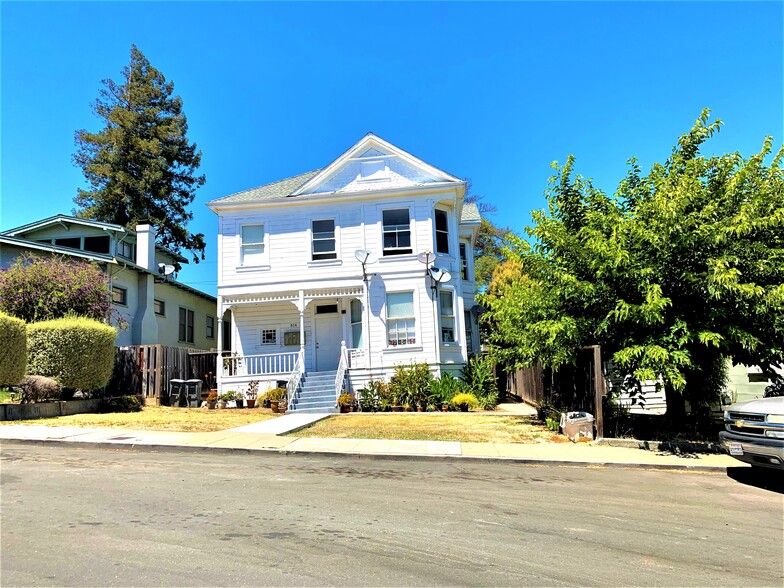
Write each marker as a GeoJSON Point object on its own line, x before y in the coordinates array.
{"type": "Point", "coordinates": [577, 426]}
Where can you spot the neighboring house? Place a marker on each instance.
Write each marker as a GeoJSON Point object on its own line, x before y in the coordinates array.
{"type": "Point", "coordinates": [157, 311]}
{"type": "Point", "coordinates": [289, 271]}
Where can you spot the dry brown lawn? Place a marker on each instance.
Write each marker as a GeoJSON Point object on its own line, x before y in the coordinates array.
{"type": "Point", "coordinates": [433, 426]}
{"type": "Point", "coordinates": [160, 418]}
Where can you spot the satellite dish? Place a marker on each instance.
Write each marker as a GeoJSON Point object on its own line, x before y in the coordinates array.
{"type": "Point", "coordinates": [440, 275]}
{"type": "Point", "coordinates": [364, 256]}
{"type": "Point", "coordinates": [426, 257]}
{"type": "Point", "coordinates": [165, 269]}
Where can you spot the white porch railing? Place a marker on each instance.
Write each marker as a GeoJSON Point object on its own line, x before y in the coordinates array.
{"type": "Point", "coordinates": [342, 367]}
{"type": "Point", "coordinates": [259, 365]}
{"type": "Point", "coordinates": [294, 379]}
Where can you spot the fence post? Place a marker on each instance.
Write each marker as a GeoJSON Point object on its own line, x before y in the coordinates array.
{"type": "Point", "coordinates": [599, 390]}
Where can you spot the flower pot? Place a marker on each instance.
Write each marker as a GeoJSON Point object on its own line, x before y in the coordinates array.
{"type": "Point", "coordinates": [464, 408]}
{"type": "Point", "coordinates": [282, 408]}
{"type": "Point", "coordinates": [251, 402]}
{"type": "Point", "coordinates": [345, 409]}
{"type": "Point", "coordinates": [240, 403]}
{"type": "Point", "coordinates": [397, 408]}
{"type": "Point", "coordinates": [221, 404]}
{"type": "Point", "coordinates": [211, 404]}
{"type": "Point", "coordinates": [445, 407]}
{"type": "Point", "coordinates": [274, 405]}
{"type": "Point", "coordinates": [420, 408]}
{"type": "Point", "coordinates": [265, 403]}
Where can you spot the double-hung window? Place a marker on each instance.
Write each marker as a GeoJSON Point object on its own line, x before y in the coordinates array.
{"type": "Point", "coordinates": [356, 324]}
{"type": "Point", "coordinates": [125, 249]}
{"type": "Point", "coordinates": [442, 231]}
{"type": "Point", "coordinates": [252, 244]}
{"type": "Point", "coordinates": [447, 306]}
{"type": "Point", "coordinates": [397, 231]}
{"type": "Point", "coordinates": [401, 320]}
{"type": "Point", "coordinates": [469, 332]}
{"type": "Point", "coordinates": [186, 325]}
{"type": "Point", "coordinates": [160, 307]}
{"type": "Point", "coordinates": [323, 240]}
{"type": "Point", "coordinates": [464, 261]}
{"type": "Point", "coordinates": [210, 327]}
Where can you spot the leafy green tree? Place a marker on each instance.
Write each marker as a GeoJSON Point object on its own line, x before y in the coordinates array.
{"type": "Point", "coordinates": [680, 269]}
{"type": "Point", "coordinates": [489, 246]}
{"type": "Point", "coordinates": [141, 166]}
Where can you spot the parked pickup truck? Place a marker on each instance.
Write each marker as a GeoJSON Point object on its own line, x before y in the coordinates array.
{"type": "Point", "coordinates": [754, 432]}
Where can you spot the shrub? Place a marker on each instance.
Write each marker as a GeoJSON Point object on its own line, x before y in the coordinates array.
{"type": "Point", "coordinates": [411, 384]}
{"type": "Point", "coordinates": [120, 404]}
{"type": "Point", "coordinates": [374, 396]}
{"type": "Point", "coordinates": [38, 389]}
{"type": "Point", "coordinates": [77, 352]}
{"type": "Point", "coordinates": [13, 350]}
{"type": "Point", "coordinates": [37, 289]}
{"type": "Point", "coordinates": [465, 401]}
{"type": "Point", "coordinates": [276, 395]}
{"type": "Point", "coordinates": [443, 389]}
{"type": "Point", "coordinates": [346, 399]}
{"type": "Point", "coordinates": [481, 381]}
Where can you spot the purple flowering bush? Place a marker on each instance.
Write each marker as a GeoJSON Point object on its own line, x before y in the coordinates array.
{"type": "Point", "coordinates": [38, 289]}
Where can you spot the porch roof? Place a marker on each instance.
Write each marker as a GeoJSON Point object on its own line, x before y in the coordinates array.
{"type": "Point", "coordinates": [294, 295]}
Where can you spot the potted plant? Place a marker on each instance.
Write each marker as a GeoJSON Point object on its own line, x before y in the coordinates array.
{"type": "Point", "coordinates": [211, 381]}
{"type": "Point", "coordinates": [464, 401]}
{"type": "Point", "coordinates": [276, 396]}
{"type": "Point", "coordinates": [239, 398]}
{"type": "Point", "coordinates": [345, 402]}
{"type": "Point", "coordinates": [223, 399]}
{"type": "Point", "coordinates": [252, 393]}
{"type": "Point", "coordinates": [212, 399]}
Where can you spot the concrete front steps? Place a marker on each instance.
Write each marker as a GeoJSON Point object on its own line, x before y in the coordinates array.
{"type": "Point", "coordinates": [316, 393]}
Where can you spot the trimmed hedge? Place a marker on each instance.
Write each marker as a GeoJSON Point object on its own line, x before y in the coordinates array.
{"type": "Point", "coordinates": [120, 404]}
{"type": "Point", "coordinates": [13, 350]}
{"type": "Point", "coordinates": [77, 352]}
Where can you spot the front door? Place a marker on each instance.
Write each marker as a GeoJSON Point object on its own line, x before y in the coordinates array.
{"type": "Point", "coordinates": [329, 331]}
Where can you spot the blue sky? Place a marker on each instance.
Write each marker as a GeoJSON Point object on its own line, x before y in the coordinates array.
{"type": "Point", "coordinates": [489, 91]}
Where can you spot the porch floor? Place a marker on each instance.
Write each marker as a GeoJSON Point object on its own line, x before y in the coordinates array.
{"type": "Point", "coordinates": [284, 424]}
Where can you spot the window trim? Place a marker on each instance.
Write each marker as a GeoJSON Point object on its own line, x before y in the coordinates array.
{"type": "Point", "coordinates": [120, 244]}
{"type": "Point", "coordinates": [336, 238]}
{"type": "Point", "coordinates": [163, 307]}
{"type": "Point", "coordinates": [465, 274]}
{"type": "Point", "coordinates": [124, 297]}
{"type": "Point", "coordinates": [455, 340]}
{"type": "Point", "coordinates": [265, 255]}
{"type": "Point", "coordinates": [412, 237]}
{"type": "Point", "coordinates": [415, 303]}
{"type": "Point", "coordinates": [210, 327]}
{"type": "Point", "coordinates": [360, 323]}
{"type": "Point", "coordinates": [187, 324]}
{"type": "Point", "coordinates": [436, 232]}
{"type": "Point", "coordinates": [468, 329]}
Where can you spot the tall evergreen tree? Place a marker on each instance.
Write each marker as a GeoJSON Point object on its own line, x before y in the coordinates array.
{"type": "Point", "coordinates": [141, 164]}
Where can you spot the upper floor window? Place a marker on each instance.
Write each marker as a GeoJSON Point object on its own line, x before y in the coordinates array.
{"type": "Point", "coordinates": [397, 231]}
{"type": "Point", "coordinates": [401, 321]}
{"type": "Point", "coordinates": [323, 239]}
{"type": "Point", "coordinates": [125, 249]}
{"type": "Point", "coordinates": [120, 295]}
{"type": "Point", "coordinates": [210, 327]}
{"type": "Point", "coordinates": [72, 242]}
{"type": "Point", "coordinates": [252, 244]}
{"type": "Point", "coordinates": [442, 231]}
{"type": "Point", "coordinates": [186, 325]}
{"type": "Point", "coordinates": [160, 307]}
{"type": "Point", "coordinates": [447, 306]}
{"type": "Point", "coordinates": [464, 261]}
{"type": "Point", "coordinates": [356, 324]}
{"type": "Point", "coordinates": [469, 332]}
{"type": "Point", "coordinates": [97, 244]}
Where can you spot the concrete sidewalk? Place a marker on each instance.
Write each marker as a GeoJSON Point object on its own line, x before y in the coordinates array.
{"type": "Point", "coordinates": [234, 440]}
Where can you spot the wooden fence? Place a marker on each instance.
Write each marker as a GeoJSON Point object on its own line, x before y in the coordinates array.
{"type": "Point", "coordinates": [147, 370]}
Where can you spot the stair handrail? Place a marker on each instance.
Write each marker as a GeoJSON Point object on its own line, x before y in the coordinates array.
{"type": "Point", "coordinates": [294, 380]}
{"type": "Point", "coordinates": [341, 375]}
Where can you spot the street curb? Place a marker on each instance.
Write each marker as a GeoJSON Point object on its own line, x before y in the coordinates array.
{"type": "Point", "coordinates": [195, 449]}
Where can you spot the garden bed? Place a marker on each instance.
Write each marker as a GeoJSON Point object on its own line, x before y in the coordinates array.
{"type": "Point", "coordinates": [449, 426]}
{"type": "Point", "coordinates": [158, 418]}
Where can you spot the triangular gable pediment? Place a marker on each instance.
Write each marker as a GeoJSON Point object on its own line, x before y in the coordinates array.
{"type": "Point", "coordinates": [372, 165]}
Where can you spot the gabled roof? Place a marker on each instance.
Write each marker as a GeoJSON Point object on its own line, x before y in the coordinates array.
{"type": "Point", "coordinates": [297, 185]}
{"type": "Point", "coordinates": [279, 189]}
{"type": "Point", "coordinates": [64, 218]}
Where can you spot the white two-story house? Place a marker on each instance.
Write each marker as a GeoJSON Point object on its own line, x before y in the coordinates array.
{"type": "Point", "coordinates": [340, 274]}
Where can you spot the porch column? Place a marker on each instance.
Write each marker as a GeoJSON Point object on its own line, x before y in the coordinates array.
{"type": "Point", "coordinates": [219, 359]}
{"type": "Point", "coordinates": [301, 308]}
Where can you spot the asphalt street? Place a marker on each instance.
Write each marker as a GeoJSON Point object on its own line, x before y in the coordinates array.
{"type": "Point", "coordinates": [97, 517]}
